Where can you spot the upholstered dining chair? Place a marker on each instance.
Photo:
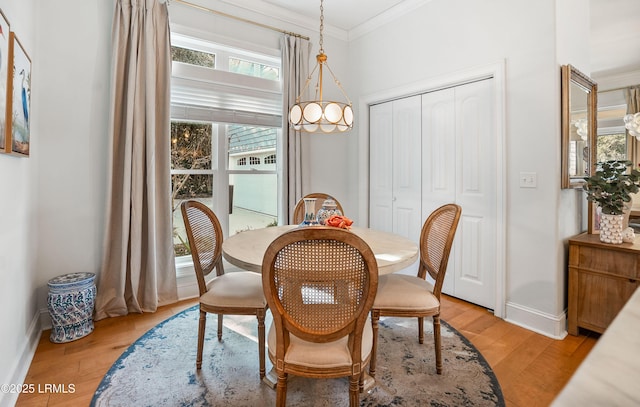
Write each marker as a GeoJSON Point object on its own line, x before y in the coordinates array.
{"type": "Point", "coordinates": [320, 283]}
{"type": "Point", "coordinates": [234, 293]}
{"type": "Point", "coordinates": [402, 295]}
{"type": "Point", "coordinates": [298, 212]}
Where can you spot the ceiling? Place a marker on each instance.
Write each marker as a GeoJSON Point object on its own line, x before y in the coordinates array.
{"type": "Point", "coordinates": [612, 22]}
{"type": "Point", "coordinates": [615, 22]}
{"type": "Point", "coordinates": [342, 14]}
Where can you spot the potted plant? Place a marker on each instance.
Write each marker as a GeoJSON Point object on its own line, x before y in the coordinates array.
{"type": "Point", "coordinates": [610, 188]}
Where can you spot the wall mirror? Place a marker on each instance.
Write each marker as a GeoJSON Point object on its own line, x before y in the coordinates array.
{"type": "Point", "coordinates": [579, 99]}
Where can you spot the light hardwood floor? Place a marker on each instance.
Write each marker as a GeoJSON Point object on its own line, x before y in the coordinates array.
{"type": "Point", "coordinates": [531, 368]}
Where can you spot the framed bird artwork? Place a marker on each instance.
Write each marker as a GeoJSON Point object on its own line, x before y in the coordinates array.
{"type": "Point", "coordinates": [19, 105]}
{"type": "Point", "coordinates": [5, 145]}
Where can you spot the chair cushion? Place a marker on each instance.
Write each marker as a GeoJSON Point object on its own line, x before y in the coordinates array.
{"type": "Point", "coordinates": [405, 292]}
{"type": "Point", "coordinates": [321, 355]}
{"type": "Point", "coordinates": [235, 289]}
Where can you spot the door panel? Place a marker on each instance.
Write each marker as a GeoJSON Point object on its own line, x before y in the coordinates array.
{"type": "Point", "coordinates": [407, 138]}
{"type": "Point", "coordinates": [476, 180]}
{"type": "Point", "coordinates": [460, 167]}
{"type": "Point", "coordinates": [380, 167]}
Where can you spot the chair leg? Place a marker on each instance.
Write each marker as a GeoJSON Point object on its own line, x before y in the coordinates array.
{"type": "Point", "coordinates": [261, 315]}
{"type": "Point", "coordinates": [421, 330]}
{"type": "Point", "coordinates": [437, 343]}
{"type": "Point", "coordinates": [375, 316]}
{"type": "Point", "coordinates": [281, 390]}
{"type": "Point", "coordinates": [354, 393]}
{"type": "Point", "coordinates": [202, 322]}
{"type": "Point", "coordinates": [220, 316]}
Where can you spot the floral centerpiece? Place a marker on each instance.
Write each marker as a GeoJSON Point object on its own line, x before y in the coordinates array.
{"type": "Point", "coordinates": [339, 221]}
{"type": "Point", "coordinates": [610, 188]}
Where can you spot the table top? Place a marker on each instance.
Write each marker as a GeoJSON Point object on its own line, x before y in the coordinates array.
{"type": "Point", "coordinates": [593, 240]}
{"type": "Point", "coordinates": [609, 374]}
{"type": "Point", "coordinates": [246, 249]}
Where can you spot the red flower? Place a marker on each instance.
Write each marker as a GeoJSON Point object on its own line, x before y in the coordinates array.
{"type": "Point", "coordinates": [339, 221]}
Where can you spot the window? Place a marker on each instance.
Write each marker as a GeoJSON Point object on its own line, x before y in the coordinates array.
{"type": "Point", "coordinates": [245, 67]}
{"type": "Point", "coordinates": [193, 57]}
{"type": "Point", "coordinates": [613, 142]}
{"type": "Point", "coordinates": [611, 146]}
{"type": "Point", "coordinates": [270, 159]}
{"type": "Point", "coordinates": [220, 122]}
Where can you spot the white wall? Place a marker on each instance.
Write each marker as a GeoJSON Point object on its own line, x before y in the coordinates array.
{"type": "Point", "coordinates": [445, 37]}
{"type": "Point", "coordinates": [17, 231]}
{"type": "Point", "coordinates": [53, 208]}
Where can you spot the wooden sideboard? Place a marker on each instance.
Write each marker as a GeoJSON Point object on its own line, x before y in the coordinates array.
{"type": "Point", "coordinates": [602, 277]}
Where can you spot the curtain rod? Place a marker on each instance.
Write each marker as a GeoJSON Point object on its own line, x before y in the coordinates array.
{"type": "Point", "coordinates": [220, 13]}
{"type": "Point", "coordinates": [620, 88]}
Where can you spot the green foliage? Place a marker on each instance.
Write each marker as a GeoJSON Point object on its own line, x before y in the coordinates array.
{"type": "Point", "coordinates": [193, 57]}
{"type": "Point", "coordinates": [611, 147]}
{"type": "Point", "coordinates": [611, 185]}
{"type": "Point", "coordinates": [191, 149]}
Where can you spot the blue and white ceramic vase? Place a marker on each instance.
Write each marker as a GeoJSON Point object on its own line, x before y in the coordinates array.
{"type": "Point", "coordinates": [309, 212]}
{"type": "Point", "coordinates": [329, 208]}
{"type": "Point", "coordinates": [70, 301]}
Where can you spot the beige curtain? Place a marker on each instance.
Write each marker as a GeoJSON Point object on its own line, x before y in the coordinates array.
{"type": "Point", "coordinates": [295, 69]}
{"type": "Point", "coordinates": [632, 97]}
{"type": "Point", "coordinates": [138, 270]}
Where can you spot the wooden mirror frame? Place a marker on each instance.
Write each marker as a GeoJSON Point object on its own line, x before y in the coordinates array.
{"type": "Point", "coordinates": [571, 76]}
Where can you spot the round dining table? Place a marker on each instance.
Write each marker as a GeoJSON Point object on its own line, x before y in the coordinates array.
{"type": "Point", "coordinates": [392, 252]}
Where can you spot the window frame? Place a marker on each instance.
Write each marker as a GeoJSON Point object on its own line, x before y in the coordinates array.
{"type": "Point", "coordinates": [194, 98]}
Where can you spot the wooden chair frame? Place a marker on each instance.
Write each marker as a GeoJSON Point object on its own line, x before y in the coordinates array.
{"type": "Point", "coordinates": [436, 239]}
{"type": "Point", "coordinates": [277, 265]}
{"type": "Point", "coordinates": [203, 229]}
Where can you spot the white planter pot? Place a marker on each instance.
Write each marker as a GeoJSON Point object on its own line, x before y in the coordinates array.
{"type": "Point", "coordinates": [611, 228]}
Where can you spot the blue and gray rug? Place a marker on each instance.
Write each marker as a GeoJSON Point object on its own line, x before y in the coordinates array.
{"type": "Point", "coordinates": [159, 370]}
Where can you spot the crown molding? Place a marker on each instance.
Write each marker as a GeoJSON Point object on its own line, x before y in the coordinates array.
{"type": "Point", "coordinates": [614, 80]}
{"type": "Point", "coordinates": [269, 12]}
{"type": "Point", "coordinates": [312, 25]}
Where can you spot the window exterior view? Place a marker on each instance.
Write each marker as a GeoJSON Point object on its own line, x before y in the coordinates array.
{"type": "Point", "coordinates": [224, 159]}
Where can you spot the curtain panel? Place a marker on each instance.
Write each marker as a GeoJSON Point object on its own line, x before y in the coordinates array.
{"type": "Point", "coordinates": [295, 68]}
{"type": "Point", "coordinates": [138, 269]}
{"type": "Point", "coordinates": [632, 97]}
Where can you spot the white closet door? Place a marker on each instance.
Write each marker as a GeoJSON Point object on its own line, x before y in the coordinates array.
{"type": "Point", "coordinates": [380, 167]}
{"type": "Point", "coordinates": [394, 166]}
{"type": "Point", "coordinates": [458, 139]}
{"type": "Point", "coordinates": [406, 157]}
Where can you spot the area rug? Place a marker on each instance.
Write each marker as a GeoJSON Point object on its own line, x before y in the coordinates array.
{"type": "Point", "coordinates": [159, 370]}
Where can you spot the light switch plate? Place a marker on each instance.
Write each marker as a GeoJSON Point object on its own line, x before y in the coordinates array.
{"type": "Point", "coordinates": [528, 180]}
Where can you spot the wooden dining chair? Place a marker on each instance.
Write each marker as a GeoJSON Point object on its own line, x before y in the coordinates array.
{"type": "Point", "coordinates": [234, 293]}
{"type": "Point", "coordinates": [401, 295]}
{"type": "Point", "coordinates": [298, 212]}
{"type": "Point", "coordinates": [320, 284]}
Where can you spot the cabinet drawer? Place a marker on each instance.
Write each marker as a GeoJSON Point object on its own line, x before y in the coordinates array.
{"type": "Point", "coordinates": [608, 261]}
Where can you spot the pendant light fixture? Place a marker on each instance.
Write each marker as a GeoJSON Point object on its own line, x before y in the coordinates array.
{"type": "Point", "coordinates": [319, 115]}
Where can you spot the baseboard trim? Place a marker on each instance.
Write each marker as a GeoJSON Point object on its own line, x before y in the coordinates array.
{"type": "Point", "coordinates": [23, 361]}
{"type": "Point", "coordinates": [553, 326]}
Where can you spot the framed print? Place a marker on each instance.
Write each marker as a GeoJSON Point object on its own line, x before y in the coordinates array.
{"type": "Point", "coordinates": [18, 102]}
{"type": "Point", "coordinates": [4, 78]}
